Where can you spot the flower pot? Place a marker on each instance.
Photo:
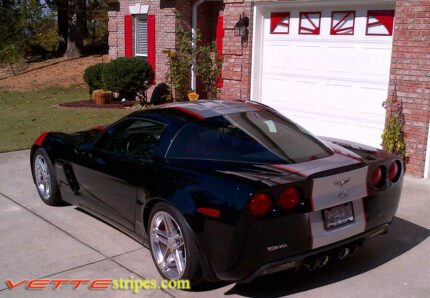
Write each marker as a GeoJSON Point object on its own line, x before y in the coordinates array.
{"type": "Point", "coordinates": [102, 97]}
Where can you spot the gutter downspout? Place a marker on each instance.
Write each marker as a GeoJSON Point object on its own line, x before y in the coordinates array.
{"type": "Point", "coordinates": [196, 5]}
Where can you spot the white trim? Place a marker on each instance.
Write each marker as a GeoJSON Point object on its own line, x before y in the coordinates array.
{"type": "Point", "coordinates": [427, 164]}
{"type": "Point", "coordinates": [138, 9]}
{"type": "Point", "coordinates": [257, 46]}
{"type": "Point", "coordinates": [323, 3]}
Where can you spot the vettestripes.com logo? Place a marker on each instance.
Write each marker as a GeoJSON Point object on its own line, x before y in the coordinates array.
{"type": "Point", "coordinates": [132, 284]}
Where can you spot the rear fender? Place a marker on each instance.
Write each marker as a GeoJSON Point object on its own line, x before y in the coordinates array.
{"type": "Point", "coordinates": [142, 226]}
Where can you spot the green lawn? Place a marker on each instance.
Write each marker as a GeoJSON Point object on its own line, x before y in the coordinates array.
{"type": "Point", "coordinates": [25, 115]}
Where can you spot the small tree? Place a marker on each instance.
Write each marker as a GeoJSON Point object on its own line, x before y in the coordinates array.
{"type": "Point", "coordinates": [11, 54]}
{"type": "Point", "coordinates": [208, 65]}
{"type": "Point", "coordinates": [208, 68]}
{"type": "Point", "coordinates": [393, 137]}
{"type": "Point", "coordinates": [180, 62]}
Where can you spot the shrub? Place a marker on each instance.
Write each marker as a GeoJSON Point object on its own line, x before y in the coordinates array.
{"type": "Point", "coordinates": [208, 69]}
{"type": "Point", "coordinates": [93, 76]}
{"type": "Point", "coordinates": [180, 61]}
{"type": "Point", "coordinates": [393, 137]}
{"type": "Point", "coordinates": [127, 75]}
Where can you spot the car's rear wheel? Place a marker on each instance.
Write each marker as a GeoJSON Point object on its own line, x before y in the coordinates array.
{"type": "Point", "coordinates": [173, 248]}
{"type": "Point", "coordinates": [44, 178]}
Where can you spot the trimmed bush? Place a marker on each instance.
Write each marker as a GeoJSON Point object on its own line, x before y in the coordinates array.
{"type": "Point", "coordinates": [127, 75]}
{"type": "Point", "coordinates": [93, 76]}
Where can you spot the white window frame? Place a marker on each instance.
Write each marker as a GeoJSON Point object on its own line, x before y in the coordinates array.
{"type": "Point", "coordinates": [136, 17]}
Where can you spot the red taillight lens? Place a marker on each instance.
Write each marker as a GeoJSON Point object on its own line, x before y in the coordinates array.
{"type": "Point", "coordinates": [393, 171]}
{"type": "Point", "coordinates": [377, 178]}
{"type": "Point", "coordinates": [289, 198]}
{"type": "Point", "coordinates": [260, 204]}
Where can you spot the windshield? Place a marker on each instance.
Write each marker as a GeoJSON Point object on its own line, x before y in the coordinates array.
{"type": "Point", "coordinates": [255, 137]}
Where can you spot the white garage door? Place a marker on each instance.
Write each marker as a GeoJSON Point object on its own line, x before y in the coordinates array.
{"type": "Point", "coordinates": [327, 68]}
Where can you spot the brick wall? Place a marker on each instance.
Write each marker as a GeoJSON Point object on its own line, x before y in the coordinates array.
{"type": "Point", "coordinates": [165, 19]}
{"type": "Point", "coordinates": [236, 69]}
{"type": "Point", "coordinates": [410, 75]}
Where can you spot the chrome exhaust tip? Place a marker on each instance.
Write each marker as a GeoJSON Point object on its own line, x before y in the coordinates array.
{"type": "Point", "coordinates": [323, 261]}
{"type": "Point", "coordinates": [312, 265]}
{"type": "Point", "coordinates": [353, 251]}
{"type": "Point", "coordinates": [343, 253]}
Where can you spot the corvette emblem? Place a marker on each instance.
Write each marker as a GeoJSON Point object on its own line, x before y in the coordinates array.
{"type": "Point", "coordinates": [341, 183]}
{"type": "Point", "coordinates": [343, 194]}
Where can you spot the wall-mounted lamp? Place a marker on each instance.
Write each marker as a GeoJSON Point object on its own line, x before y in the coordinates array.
{"type": "Point", "coordinates": [241, 27]}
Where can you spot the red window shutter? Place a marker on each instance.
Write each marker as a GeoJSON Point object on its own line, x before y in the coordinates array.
{"type": "Point", "coordinates": [219, 44]}
{"type": "Point", "coordinates": [151, 40]}
{"type": "Point", "coordinates": [128, 43]}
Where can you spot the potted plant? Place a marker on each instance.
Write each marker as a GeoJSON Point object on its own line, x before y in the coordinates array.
{"type": "Point", "coordinates": [102, 96]}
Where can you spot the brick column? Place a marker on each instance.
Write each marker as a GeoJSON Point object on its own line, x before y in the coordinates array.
{"type": "Point", "coordinates": [236, 70]}
{"type": "Point", "coordinates": [410, 73]}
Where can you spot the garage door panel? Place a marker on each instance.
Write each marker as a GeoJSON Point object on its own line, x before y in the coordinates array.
{"type": "Point", "coordinates": [376, 62]}
{"type": "Point", "coordinates": [353, 101]}
{"type": "Point", "coordinates": [332, 85]}
{"type": "Point", "coordinates": [355, 62]}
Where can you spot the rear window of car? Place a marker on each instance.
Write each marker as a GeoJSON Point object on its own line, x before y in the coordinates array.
{"type": "Point", "coordinates": [253, 137]}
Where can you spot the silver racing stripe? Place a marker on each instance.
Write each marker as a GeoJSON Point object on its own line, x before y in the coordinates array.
{"type": "Point", "coordinates": [318, 165]}
{"type": "Point", "coordinates": [337, 190]}
{"type": "Point", "coordinates": [322, 237]}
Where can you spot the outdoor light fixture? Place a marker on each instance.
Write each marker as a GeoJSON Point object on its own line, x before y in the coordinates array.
{"type": "Point", "coordinates": [241, 27]}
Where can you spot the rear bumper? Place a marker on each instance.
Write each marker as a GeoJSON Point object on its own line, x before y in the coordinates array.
{"type": "Point", "coordinates": [294, 262]}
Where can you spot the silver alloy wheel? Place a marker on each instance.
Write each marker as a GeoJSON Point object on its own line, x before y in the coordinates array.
{"type": "Point", "coordinates": [43, 177]}
{"type": "Point", "coordinates": [168, 246]}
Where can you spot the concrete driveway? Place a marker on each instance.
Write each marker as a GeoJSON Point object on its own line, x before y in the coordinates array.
{"type": "Point", "coordinates": [42, 242]}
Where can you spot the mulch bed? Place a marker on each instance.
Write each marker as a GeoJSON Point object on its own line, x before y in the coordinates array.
{"type": "Point", "coordinates": [92, 104]}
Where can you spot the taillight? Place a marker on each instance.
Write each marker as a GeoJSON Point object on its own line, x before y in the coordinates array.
{"type": "Point", "coordinates": [260, 204]}
{"type": "Point", "coordinates": [394, 171]}
{"type": "Point", "coordinates": [377, 179]}
{"type": "Point", "coordinates": [289, 198]}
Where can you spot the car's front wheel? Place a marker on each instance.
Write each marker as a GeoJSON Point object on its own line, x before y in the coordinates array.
{"type": "Point", "coordinates": [44, 178]}
{"type": "Point", "coordinates": [173, 248]}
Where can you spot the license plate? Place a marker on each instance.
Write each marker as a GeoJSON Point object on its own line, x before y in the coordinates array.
{"type": "Point", "coordinates": [338, 216]}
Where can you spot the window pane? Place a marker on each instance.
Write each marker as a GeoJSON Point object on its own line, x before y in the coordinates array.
{"type": "Point", "coordinates": [141, 36]}
{"type": "Point", "coordinates": [135, 137]}
{"type": "Point", "coordinates": [259, 137]}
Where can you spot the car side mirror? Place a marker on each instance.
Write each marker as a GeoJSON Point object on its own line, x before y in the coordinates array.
{"type": "Point", "coordinates": [86, 149]}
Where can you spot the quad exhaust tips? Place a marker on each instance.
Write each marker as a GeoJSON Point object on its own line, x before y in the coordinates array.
{"type": "Point", "coordinates": [317, 263]}
{"type": "Point", "coordinates": [322, 261]}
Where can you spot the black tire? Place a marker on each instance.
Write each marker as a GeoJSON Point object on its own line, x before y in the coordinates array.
{"type": "Point", "coordinates": [54, 196]}
{"type": "Point", "coordinates": [192, 270]}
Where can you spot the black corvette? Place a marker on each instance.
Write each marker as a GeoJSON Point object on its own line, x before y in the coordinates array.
{"type": "Point", "coordinates": [223, 190]}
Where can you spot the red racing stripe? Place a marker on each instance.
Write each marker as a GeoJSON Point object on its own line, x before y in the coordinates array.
{"type": "Point", "coordinates": [189, 112]}
{"type": "Point", "coordinates": [40, 139]}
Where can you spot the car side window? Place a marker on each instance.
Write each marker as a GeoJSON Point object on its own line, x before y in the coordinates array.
{"type": "Point", "coordinates": [133, 137]}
